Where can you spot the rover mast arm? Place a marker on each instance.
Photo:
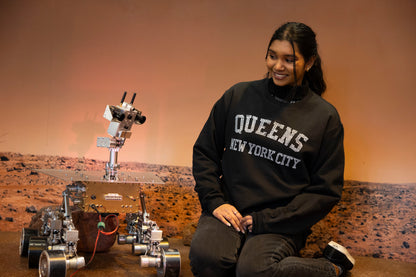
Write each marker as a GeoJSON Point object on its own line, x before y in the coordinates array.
{"type": "Point", "coordinates": [121, 117]}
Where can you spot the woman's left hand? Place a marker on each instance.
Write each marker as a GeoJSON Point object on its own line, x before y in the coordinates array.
{"type": "Point", "coordinates": [247, 223]}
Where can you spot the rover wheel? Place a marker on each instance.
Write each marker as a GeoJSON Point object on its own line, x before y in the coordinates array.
{"type": "Point", "coordinates": [139, 248]}
{"type": "Point", "coordinates": [35, 248]}
{"type": "Point", "coordinates": [171, 263]}
{"type": "Point", "coordinates": [52, 263]}
{"type": "Point", "coordinates": [164, 244]}
{"type": "Point", "coordinates": [24, 240]}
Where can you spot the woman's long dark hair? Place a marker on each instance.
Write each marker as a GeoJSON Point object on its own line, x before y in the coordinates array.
{"type": "Point", "coordinates": [305, 39]}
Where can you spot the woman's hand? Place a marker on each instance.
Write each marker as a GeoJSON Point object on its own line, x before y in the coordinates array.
{"type": "Point", "coordinates": [247, 223]}
{"type": "Point", "coordinates": [229, 215]}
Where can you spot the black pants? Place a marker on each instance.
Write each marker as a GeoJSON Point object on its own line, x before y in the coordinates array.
{"type": "Point", "coordinates": [219, 251]}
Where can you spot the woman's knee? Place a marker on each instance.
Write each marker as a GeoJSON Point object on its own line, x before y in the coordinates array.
{"type": "Point", "coordinates": [252, 264]}
{"type": "Point", "coordinates": [214, 249]}
{"type": "Point", "coordinates": [200, 253]}
{"type": "Point", "coordinates": [262, 254]}
{"type": "Point", "coordinates": [212, 252]}
{"type": "Point", "coordinates": [206, 261]}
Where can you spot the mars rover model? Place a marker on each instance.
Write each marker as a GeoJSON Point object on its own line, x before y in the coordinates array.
{"type": "Point", "coordinates": [53, 248]}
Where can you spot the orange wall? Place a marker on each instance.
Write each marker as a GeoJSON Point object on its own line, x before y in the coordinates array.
{"type": "Point", "coordinates": [61, 62]}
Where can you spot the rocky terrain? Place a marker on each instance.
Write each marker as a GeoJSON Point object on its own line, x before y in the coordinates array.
{"type": "Point", "coordinates": [376, 220]}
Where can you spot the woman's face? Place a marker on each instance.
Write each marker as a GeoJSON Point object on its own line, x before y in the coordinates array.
{"type": "Point", "coordinates": [279, 62]}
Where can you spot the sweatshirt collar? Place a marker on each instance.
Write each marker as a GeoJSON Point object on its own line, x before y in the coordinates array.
{"type": "Point", "coordinates": [287, 94]}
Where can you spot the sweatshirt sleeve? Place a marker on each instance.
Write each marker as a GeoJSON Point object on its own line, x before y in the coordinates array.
{"type": "Point", "coordinates": [319, 197]}
{"type": "Point", "coordinates": [207, 155]}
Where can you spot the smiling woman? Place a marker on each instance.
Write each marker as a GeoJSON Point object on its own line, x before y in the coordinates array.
{"type": "Point", "coordinates": [269, 162]}
{"type": "Point", "coordinates": [281, 61]}
{"type": "Point", "coordinates": [293, 56]}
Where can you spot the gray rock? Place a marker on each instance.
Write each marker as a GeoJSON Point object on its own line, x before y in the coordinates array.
{"type": "Point", "coordinates": [31, 209]}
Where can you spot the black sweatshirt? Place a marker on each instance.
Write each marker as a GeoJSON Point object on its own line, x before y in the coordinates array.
{"type": "Point", "coordinates": [282, 163]}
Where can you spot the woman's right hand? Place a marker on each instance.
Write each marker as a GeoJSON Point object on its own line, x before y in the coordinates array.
{"type": "Point", "coordinates": [230, 216]}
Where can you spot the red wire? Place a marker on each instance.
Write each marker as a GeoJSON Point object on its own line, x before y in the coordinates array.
{"type": "Point", "coordinates": [96, 240]}
{"type": "Point", "coordinates": [115, 229]}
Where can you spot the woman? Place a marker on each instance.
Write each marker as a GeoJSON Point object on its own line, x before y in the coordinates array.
{"type": "Point", "coordinates": [268, 165]}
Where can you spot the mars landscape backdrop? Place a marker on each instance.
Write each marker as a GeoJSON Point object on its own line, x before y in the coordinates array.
{"type": "Point", "coordinates": [372, 219]}
{"type": "Point", "coordinates": [62, 62]}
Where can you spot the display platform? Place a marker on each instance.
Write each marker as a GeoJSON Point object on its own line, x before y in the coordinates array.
{"type": "Point", "coordinates": [119, 261]}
